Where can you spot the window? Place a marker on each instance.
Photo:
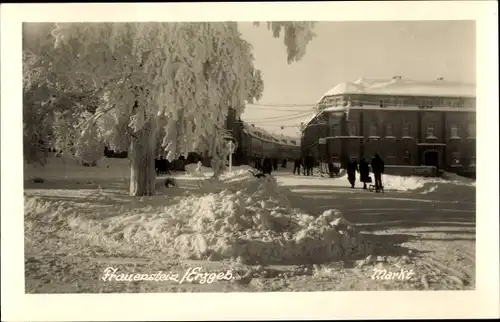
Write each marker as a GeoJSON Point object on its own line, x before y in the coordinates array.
{"type": "Point", "coordinates": [401, 102]}
{"type": "Point", "coordinates": [353, 129]}
{"type": "Point", "coordinates": [471, 130]}
{"type": "Point", "coordinates": [454, 131]}
{"type": "Point", "coordinates": [373, 129]}
{"type": "Point", "coordinates": [426, 104]}
{"type": "Point", "coordinates": [406, 130]}
{"type": "Point", "coordinates": [453, 103]}
{"type": "Point", "coordinates": [407, 157]}
{"type": "Point", "coordinates": [382, 103]}
{"type": "Point", "coordinates": [349, 101]}
{"type": "Point", "coordinates": [431, 131]}
{"type": "Point", "coordinates": [389, 130]}
{"type": "Point", "coordinates": [455, 159]}
{"type": "Point", "coordinates": [391, 154]}
{"type": "Point", "coordinates": [335, 130]}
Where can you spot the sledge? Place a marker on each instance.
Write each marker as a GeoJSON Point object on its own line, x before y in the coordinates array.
{"type": "Point", "coordinates": [371, 186]}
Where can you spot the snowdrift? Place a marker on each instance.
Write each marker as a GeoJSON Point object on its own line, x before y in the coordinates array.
{"type": "Point", "coordinates": [390, 182]}
{"type": "Point", "coordinates": [246, 219]}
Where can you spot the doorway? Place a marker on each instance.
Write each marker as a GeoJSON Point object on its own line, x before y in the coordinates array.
{"type": "Point", "coordinates": [431, 158]}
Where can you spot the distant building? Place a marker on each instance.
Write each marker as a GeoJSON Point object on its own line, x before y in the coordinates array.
{"type": "Point", "coordinates": [253, 142]}
{"type": "Point", "coordinates": [407, 122]}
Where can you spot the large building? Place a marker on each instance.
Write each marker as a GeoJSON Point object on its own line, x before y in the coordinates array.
{"type": "Point", "coordinates": [407, 122]}
{"type": "Point", "coordinates": [254, 142]}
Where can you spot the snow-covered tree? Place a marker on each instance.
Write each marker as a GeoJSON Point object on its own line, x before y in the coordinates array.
{"type": "Point", "coordinates": [151, 85]}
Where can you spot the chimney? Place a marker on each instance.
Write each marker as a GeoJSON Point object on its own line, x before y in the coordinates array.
{"type": "Point", "coordinates": [440, 78]}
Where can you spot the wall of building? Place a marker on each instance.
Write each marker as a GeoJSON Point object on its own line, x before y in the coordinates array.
{"type": "Point", "coordinates": [398, 132]}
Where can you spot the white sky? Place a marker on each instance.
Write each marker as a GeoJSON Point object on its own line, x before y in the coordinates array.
{"type": "Point", "coordinates": [346, 51]}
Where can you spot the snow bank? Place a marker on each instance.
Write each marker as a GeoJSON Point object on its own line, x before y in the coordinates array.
{"type": "Point", "coordinates": [390, 182]}
{"type": "Point", "coordinates": [249, 220]}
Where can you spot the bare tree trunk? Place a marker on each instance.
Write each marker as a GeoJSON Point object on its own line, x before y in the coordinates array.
{"type": "Point", "coordinates": [142, 154]}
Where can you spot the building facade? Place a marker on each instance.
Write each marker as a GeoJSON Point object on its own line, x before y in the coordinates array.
{"type": "Point", "coordinates": [254, 142]}
{"type": "Point", "coordinates": [406, 122]}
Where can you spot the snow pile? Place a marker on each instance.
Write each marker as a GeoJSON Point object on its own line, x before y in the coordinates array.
{"type": "Point", "coordinates": [249, 220]}
{"type": "Point", "coordinates": [458, 180]}
{"type": "Point", "coordinates": [390, 182]}
{"type": "Point", "coordinates": [402, 183]}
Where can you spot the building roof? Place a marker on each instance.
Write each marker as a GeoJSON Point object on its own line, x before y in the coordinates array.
{"type": "Point", "coordinates": [270, 137]}
{"type": "Point", "coordinates": [404, 87]}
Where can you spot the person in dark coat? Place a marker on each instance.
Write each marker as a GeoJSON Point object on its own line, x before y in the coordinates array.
{"type": "Point", "coordinates": [364, 172]}
{"type": "Point", "coordinates": [283, 164]}
{"type": "Point", "coordinates": [275, 164]}
{"type": "Point", "coordinates": [352, 167]}
{"type": "Point", "coordinates": [267, 166]}
{"type": "Point", "coordinates": [310, 165]}
{"type": "Point", "coordinates": [378, 169]}
{"type": "Point", "coordinates": [257, 163]}
{"type": "Point", "coordinates": [296, 166]}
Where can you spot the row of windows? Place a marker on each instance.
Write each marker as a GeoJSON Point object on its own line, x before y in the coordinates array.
{"type": "Point", "coordinates": [399, 102]}
{"type": "Point", "coordinates": [406, 130]}
{"type": "Point", "coordinates": [456, 158]}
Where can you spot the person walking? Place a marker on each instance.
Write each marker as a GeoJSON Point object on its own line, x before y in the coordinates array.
{"type": "Point", "coordinates": [312, 162]}
{"type": "Point", "coordinates": [267, 166]}
{"type": "Point", "coordinates": [307, 162]}
{"type": "Point", "coordinates": [364, 172]}
{"type": "Point", "coordinates": [296, 166]}
{"type": "Point", "coordinates": [378, 169]}
{"type": "Point", "coordinates": [352, 167]}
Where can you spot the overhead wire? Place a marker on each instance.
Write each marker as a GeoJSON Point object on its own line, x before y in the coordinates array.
{"type": "Point", "coordinates": [280, 118]}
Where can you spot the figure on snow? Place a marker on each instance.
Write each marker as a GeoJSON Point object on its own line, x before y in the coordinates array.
{"type": "Point", "coordinates": [378, 169]}
{"type": "Point", "coordinates": [364, 172]}
{"type": "Point", "coordinates": [352, 167]}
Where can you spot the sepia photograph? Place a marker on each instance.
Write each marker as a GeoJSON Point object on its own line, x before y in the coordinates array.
{"type": "Point", "coordinates": [250, 156]}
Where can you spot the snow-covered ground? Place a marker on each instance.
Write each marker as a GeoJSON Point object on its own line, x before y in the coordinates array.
{"type": "Point", "coordinates": [86, 212]}
{"type": "Point", "coordinates": [390, 182]}
{"type": "Point", "coordinates": [239, 217]}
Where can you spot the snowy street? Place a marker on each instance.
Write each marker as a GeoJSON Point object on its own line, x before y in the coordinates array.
{"type": "Point", "coordinates": [76, 228]}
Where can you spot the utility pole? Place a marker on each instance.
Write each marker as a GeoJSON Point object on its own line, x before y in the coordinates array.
{"type": "Point", "coordinates": [231, 150]}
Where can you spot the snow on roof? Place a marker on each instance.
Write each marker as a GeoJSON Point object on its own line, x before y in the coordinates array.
{"type": "Point", "coordinates": [271, 137]}
{"type": "Point", "coordinates": [406, 87]}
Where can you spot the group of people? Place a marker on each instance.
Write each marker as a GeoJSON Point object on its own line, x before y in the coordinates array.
{"type": "Point", "coordinates": [307, 164]}
{"type": "Point", "coordinates": [364, 171]}
{"type": "Point", "coordinates": [267, 165]}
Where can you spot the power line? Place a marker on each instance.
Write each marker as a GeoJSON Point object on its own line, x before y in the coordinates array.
{"type": "Point", "coordinates": [284, 126]}
{"type": "Point", "coordinates": [284, 105]}
{"type": "Point", "coordinates": [298, 114]}
{"type": "Point", "coordinates": [280, 120]}
{"type": "Point", "coordinates": [278, 110]}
